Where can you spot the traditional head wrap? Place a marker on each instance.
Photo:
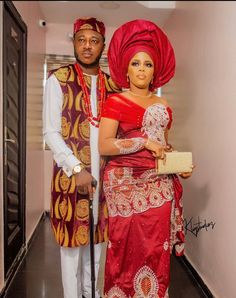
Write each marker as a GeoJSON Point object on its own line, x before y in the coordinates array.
{"type": "Point", "coordinates": [91, 24]}
{"type": "Point", "coordinates": [140, 36]}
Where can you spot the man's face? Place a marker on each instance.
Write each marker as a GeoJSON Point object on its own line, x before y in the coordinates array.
{"type": "Point", "coordinates": [88, 47]}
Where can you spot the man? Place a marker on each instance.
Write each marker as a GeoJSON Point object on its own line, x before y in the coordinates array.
{"type": "Point", "coordinates": [73, 100]}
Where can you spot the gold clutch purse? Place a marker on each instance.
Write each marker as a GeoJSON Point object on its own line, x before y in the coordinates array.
{"type": "Point", "coordinates": [174, 162]}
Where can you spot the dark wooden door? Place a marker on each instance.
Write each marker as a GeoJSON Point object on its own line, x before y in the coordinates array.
{"type": "Point", "coordinates": [14, 103]}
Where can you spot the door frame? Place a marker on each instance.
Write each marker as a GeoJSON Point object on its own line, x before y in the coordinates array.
{"type": "Point", "coordinates": [10, 8]}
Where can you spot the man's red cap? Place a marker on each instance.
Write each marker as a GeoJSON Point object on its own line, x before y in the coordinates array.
{"type": "Point", "coordinates": [89, 24]}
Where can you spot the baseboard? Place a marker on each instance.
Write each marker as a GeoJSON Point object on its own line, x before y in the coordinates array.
{"type": "Point", "coordinates": [21, 257]}
{"type": "Point", "coordinates": [195, 276]}
{"type": "Point", "coordinates": [36, 230]}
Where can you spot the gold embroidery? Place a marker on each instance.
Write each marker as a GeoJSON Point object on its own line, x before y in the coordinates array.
{"type": "Point", "coordinates": [106, 236]}
{"type": "Point", "coordinates": [66, 237]}
{"type": "Point", "coordinates": [72, 75]}
{"type": "Point", "coordinates": [62, 74]}
{"type": "Point", "coordinates": [64, 182]}
{"type": "Point", "coordinates": [82, 210]}
{"type": "Point", "coordinates": [69, 210]}
{"type": "Point", "coordinates": [75, 150]}
{"type": "Point", "coordinates": [78, 101]}
{"type": "Point", "coordinates": [81, 235]}
{"type": "Point", "coordinates": [71, 97]}
{"type": "Point", "coordinates": [61, 235]}
{"type": "Point", "coordinates": [57, 188]}
{"type": "Point", "coordinates": [84, 155]}
{"type": "Point", "coordinates": [65, 101]}
{"type": "Point", "coordinates": [56, 208]}
{"type": "Point", "coordinates": [75, 130]}
{"type": "Point", "coordinates": [65, 128]}
{"type": "Point", "coordinates": [105, 210]}
{"type": "Point", "coordinates": [84, 129]}
{"type": "Point", "coordinates": [88, 81]}
{"type": "Point", "coordinates": [86, 26]}
{"type": "Point", "coordinates": [63, 207]}
{"type": "Point", "coordinates": [72, 185]}
{"type": "Point", "coordinates": [78, 81]}
{"type": "Point", "coordinates": [83, 106]}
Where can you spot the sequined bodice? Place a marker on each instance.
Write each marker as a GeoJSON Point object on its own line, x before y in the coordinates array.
{"type": "Point", "coordinates": [155, 121]}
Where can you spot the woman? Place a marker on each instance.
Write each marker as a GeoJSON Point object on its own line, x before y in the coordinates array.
{"type": "Point", "coordinates": [145, 210]}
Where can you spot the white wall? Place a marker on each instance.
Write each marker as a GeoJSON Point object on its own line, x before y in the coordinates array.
{"type": "Point", "coordinates": [31, 13]}
{"type": "Point", "coordinates": [1, 158]}
{"type": "Point", "coordinates": [48, 171]}
{"type": "Point", "coordinates": [203, 96]}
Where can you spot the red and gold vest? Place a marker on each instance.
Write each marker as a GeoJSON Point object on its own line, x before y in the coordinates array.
{"type": "Point", "coordinates": [69, 211]}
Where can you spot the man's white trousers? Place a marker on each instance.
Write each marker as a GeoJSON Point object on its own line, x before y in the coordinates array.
{"type": "Point", "coordinates": [75, 268]}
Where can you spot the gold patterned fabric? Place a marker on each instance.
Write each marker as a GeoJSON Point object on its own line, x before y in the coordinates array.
{"type": "Point", "coordinates": [69, 211]}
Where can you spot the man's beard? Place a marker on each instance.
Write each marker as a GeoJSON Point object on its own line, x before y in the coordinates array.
{"type": "Point", "coordinates": [86, 65]}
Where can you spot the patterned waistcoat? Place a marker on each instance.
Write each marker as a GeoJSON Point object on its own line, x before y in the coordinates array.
{"type": "Point", "coordinates": [69, 210]}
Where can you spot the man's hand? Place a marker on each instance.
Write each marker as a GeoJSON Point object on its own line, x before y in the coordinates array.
{"type": "Point", "coordinates": [84, 180]}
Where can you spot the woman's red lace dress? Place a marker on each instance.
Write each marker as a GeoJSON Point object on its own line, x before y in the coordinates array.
{"type": "Point", "coordinates": [145, 210]}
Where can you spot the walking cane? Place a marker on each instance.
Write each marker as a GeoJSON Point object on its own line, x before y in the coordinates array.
{"type": "Point", "coordinates": [91, 236]}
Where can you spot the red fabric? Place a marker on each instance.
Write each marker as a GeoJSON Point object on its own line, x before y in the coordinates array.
{"type": "Point", "coordinates": [120, 108]}
{"type": "Point", "coordinates": [145, 213]}
{"type": "Point", "coordinates": [136, 243]}
{"type": "Point", "coordinates": [91, 24]}
{"type": "Point", "coordinates": [137, 36]}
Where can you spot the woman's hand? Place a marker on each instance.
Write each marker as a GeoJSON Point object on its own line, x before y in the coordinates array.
{"type": "Point", "coordinates": [187, 174]}
{"type": "Point", "coordinates": [157, 149]}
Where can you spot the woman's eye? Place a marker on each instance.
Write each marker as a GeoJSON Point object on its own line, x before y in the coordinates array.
{"type": "Point", "coordinates": [149, 65]}
{"type": "Point", "coordinates": [134, 63]}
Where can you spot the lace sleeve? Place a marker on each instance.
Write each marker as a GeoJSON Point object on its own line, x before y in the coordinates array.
{"type": "Point", "coordinates": [132, 145]}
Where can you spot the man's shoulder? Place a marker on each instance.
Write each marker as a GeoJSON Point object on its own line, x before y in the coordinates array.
{"type": "Point", "coordinates": [111, 86]}
{"type": "Point", "coordinates": [63, 73]}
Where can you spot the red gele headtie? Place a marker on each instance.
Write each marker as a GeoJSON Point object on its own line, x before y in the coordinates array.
{"type": "Point", "coordinates": [141, 36]}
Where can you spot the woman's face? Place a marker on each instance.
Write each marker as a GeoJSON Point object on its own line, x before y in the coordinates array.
{"type": "Point", "coordinates": [141, 70]}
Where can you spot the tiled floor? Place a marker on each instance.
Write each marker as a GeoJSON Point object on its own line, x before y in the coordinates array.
{"type": "Point", "coordinates": [39, 275]}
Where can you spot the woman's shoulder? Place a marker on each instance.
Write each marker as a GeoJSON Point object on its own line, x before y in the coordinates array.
{"type": "Point", "coordinates": [115, 97]}
{"type": "Point", "coordinates": [162, 100]}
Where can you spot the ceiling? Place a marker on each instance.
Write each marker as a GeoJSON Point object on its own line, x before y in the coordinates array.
{"type": "Point", "coordinates": [66, 12]}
